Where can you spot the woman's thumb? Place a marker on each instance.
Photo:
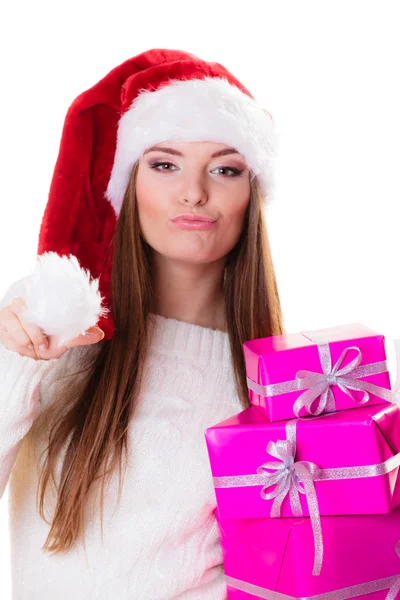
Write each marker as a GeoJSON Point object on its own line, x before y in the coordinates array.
{"type": "Point", "coordinates": [92, 336]}
{"type": "Point", "coordinates": [96, 332]}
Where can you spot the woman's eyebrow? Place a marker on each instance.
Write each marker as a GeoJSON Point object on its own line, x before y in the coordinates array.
{"type": "Point", "coordinates": [173, 151]}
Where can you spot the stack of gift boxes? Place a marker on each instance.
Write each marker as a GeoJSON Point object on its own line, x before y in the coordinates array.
{"type": "Point", "coordinates": [307, 478]}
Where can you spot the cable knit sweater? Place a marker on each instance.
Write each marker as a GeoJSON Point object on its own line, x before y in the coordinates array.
{"type": "Point", "coordinates": [161, 540]}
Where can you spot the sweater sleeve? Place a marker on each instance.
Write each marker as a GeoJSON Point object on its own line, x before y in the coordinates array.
{"type": "Point", "coordinates": [20, 378]}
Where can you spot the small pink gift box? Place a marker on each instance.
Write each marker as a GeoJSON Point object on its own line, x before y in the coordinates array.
{"type": "Point", "coordinates": [352, 457]}
{"type": "Point", "coordinates": [272, 558]}
{"type": "Point", "coordinates": [319, 371]}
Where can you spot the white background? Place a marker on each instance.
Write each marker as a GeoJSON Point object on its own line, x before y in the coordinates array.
{"type": "Point", "coordinates": [328, 71]}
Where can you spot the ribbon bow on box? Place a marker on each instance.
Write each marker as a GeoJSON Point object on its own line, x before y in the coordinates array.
{"type": "Point", "coordinates": [291, 477]}
{"type": "Point", "coordinates": [320, 384]}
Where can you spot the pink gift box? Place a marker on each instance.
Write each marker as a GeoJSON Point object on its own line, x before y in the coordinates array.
{"type": "Point", "coordinates": [352, 438]}
{"type": "Point", "coordinates": [278, 359]}
{"type": "Point", "coordinates": [272, 558]}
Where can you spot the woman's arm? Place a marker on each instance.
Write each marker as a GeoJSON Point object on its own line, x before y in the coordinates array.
{"type": "Point", "coordinates": [20, 378]}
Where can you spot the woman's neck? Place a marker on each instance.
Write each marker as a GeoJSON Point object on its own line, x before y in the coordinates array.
{"type": "Point", "coordinates": [213, 318]}
{"type": "Point", "coordinates": [190, 293]}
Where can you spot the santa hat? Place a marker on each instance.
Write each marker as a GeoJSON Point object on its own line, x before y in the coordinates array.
{"type": "Point", "coordinates": [159, 95]}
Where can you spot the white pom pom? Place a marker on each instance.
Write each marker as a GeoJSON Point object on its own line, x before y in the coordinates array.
{"type": "Point", "coordinates": [62, 300]}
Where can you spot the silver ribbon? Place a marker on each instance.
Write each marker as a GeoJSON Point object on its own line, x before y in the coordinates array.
{"type": "Point", "coordinates": [293, 478]}
{"type": "Point", "coordinates": [394, 590]}
{"type": "Point", "coordinates": [362, 589]}
{"type": "Point", "coordinates": [353, 591]}
{"type": "Point", "coordinates": [319, 384]}
{"type": "Point", "coordinates": [297, 477]}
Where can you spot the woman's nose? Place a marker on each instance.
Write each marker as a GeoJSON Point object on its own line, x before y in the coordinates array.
{"type": "Point", "coordinates": [196, 192]}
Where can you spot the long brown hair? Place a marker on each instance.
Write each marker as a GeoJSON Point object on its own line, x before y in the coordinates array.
{"type": "Point", "coordinates": [90, 426]}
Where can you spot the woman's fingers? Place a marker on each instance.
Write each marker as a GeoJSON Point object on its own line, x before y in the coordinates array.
{"type": "Point", "coordinates": [21, 336]}
{"type": "Point", "coordinates": [33, 333]}
{"type": "Point", "coordinates": [26, 338]}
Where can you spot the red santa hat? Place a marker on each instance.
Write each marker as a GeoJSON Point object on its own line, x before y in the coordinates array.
{"type": "Point", "coordinates": [159, 95]}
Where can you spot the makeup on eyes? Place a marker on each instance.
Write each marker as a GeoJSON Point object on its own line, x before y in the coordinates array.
{"type": "Point", "coordinates": [236, 170]}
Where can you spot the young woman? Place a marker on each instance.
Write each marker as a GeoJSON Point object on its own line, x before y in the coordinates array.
{"type": "Point", "coordinates": [165, 206]}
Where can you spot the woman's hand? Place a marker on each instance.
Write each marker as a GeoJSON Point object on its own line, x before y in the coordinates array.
{"type": "Point", "coordinates": [23, 337]}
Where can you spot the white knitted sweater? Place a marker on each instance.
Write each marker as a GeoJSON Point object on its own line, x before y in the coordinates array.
{"type": "Point", "coordinates": [161, 541]}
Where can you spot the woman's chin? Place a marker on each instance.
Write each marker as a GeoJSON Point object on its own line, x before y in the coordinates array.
{"type": "Point", "coordinates": [195, 258]}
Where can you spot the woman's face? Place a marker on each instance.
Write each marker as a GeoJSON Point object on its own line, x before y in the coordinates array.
{"type": "Point", "coordinates": [188, 178]}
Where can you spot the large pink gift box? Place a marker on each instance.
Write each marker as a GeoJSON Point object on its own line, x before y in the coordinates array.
{"type": "Point", "coordinates": [273, 363]}
{"type": "Point", "coordinates": [272, 558]}
{"type": "Point", "coordinates": [368, 437]}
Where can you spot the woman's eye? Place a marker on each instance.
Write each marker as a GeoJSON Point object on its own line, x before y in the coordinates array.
{"type": "Point", "coordinates": [158, 164]}
{"type": "Point", "coordinates": [235, 172]}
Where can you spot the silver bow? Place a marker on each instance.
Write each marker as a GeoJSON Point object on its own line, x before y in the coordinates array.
{"type": "Point", "coordinates": [293, 478]}
{"type": "Point", "coordinates": [319, 384]}
{"type": "Point", "coordinates": [297, 477]}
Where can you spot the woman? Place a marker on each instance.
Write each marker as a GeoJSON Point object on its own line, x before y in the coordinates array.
{"type": "Point", "coordinates": [164, 205]}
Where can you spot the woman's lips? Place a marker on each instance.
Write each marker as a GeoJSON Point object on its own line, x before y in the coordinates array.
{"type": "Point", "coordinates": [193, 224]}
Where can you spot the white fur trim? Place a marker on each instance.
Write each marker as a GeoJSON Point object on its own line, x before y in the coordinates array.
{"type": "Point", "coordinates": [61, 298]}
{"type": "Point", "coordinates": [209, 109]}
